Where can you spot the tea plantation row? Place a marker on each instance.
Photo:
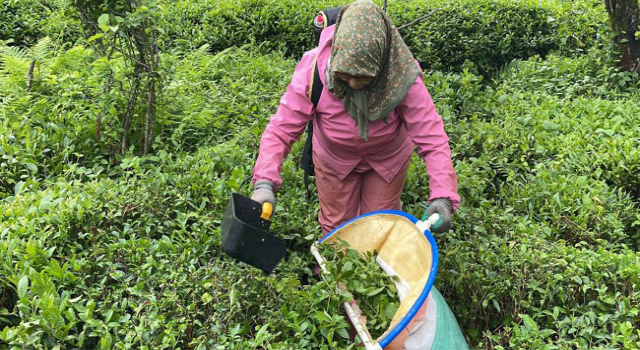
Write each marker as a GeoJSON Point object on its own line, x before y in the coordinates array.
{"type": "Point", "coordinates": [490, 33]}
{"type": "Point", "coordinates": [99, 250]}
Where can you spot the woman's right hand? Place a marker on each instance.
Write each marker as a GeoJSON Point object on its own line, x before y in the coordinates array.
{"type": "Point", "coordinates": [263, 192]}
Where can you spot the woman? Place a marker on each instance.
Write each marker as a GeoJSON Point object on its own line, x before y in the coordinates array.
{"type": "Point", "coordinates": [374, 109]}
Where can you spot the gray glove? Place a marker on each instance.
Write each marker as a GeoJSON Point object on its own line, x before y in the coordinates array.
{"type": "Point", "coordinates": [444, 208]}
{"type": "Point", "coordinates": [263, 192]}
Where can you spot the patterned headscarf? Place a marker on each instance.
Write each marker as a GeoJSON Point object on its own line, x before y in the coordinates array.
{"type": "Point", "coordinates": [367, 43]}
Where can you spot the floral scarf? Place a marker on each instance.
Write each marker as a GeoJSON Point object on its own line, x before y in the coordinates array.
{"type": "Point", "coordinates": [366, 43]}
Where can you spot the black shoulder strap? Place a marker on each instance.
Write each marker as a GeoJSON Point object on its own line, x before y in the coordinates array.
{"type": "Point", "coordinates": [307, 159]}
{"type": "Point", "coordinates": [325, 18]}
{"type": "Point", "coordinates": [307, 156]}
{"type": "Point", "coordinates": [316, 87]}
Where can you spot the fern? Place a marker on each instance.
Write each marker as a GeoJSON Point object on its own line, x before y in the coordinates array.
{"type": "Point", "coordinates": [61, 4]}
{"type": "Point", "coordinates": [38, 52]}
{"type": "Point", "coordinates": [15, 52]}
{"type": "Point", "coordinates": [15, 61]}
{"type": "Point", "coordinates": [14, 66]}
{"type": "Point", "coordinates": [200, 57]}
{"type": "Point", "coordinates": [42, 48]}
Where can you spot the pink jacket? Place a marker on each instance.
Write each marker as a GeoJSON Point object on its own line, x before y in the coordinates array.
{"type": "Point", "coordinates": [335, 134]}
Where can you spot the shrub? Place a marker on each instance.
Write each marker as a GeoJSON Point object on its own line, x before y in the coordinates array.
{"type": "Point", "coordinates": [212, 97]}
{"type": "Point", "coordinates": [523, 291]}
{"type": "Point", "coordinates": [209, 99]}
{"type": "Point", "coordinates": [488, 33]}
{"type": "Point", "coordinates": [47, 127]}
{"type": "Point", "coordinates": [25, 22]}
{"type": "Point", "coordinates": [99, 250]}
{"type": "Point", "coordinates": [458, 95]}
{"type": "Point", "coordinates": [282, 25]}
{"type": "Point", "coordinates": [135, 261]}
{"type": "Point", "coordinates": [576, 208]}
{"type": "Point", "coordinates": [568, 163]}
{"type": "Point", "coordinates": [593, 74]}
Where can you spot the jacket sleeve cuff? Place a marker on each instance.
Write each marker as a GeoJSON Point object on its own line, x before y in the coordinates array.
{"type": "Point", "coordinates": [442, 193]}
{"type": "Point", "coordinates": [277, 183]}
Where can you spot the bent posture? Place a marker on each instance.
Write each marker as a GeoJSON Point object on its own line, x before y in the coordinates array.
{"type": "Point", "coordinates": [373, 111]}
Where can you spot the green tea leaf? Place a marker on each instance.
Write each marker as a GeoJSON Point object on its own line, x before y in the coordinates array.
{"type": "Point", "coordinates": [23, 285]}
{"type": "Point", "coordinates": [103, 22]}
{"type": "Point", "coordinates": [529, 323]}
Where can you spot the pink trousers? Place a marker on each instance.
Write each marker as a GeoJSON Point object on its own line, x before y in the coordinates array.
{"type": "Point", "coordinates": [361, 192]}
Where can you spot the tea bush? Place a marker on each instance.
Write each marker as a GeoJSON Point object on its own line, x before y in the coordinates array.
{"type": "Point", "coordinates": [488, 33]}
{"type": "Point", "coordinates": [212, 98]}
{"type": "Point", "coordinates": [25, 22]}
{"type": "Point", "coordinates": [136, 262]}
{"type": "Point", "coordinates": [50, 125]}
{"type": "Point", "coordinates": [209, 99]}
{"type": "Point", "coordinates": [593, 74]}
{"type": "Point", "coordinates": [549, 182]}
{"type": "Point", "coordinates": [527, 291]}
{"type": "Point", "coordinates": [570, 143]}
{"type": "Point", "coordinates": [281, 25]}
{"type": "Point", "coordinates": [105, 250]}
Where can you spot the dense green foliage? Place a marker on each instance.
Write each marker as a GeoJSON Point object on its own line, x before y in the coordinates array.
{"type": "Point", "coordinates": [492, 33]}
{"type": "Point", "coordinates": [26, 21]}
{"type": "Point", "coordinates": [364, 283]}
{"type": "Point", "coordinates": [106, 250]}
{"type": "Point", "coordinates": [489, 33]}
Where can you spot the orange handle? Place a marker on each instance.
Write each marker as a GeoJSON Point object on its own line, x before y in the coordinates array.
{"type": "Point", "coordinates": [267, 210]}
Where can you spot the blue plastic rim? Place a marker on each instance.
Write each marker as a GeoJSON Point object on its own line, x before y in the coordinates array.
{"type": "Point", "coordinates": [427, 288]}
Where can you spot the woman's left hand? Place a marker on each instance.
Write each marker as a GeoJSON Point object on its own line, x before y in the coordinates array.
{"type": "Point", "coordinates": [444, 208]}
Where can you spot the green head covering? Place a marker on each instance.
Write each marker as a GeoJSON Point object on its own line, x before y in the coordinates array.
{"type": "Point", "coordinates": [366, 43]}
